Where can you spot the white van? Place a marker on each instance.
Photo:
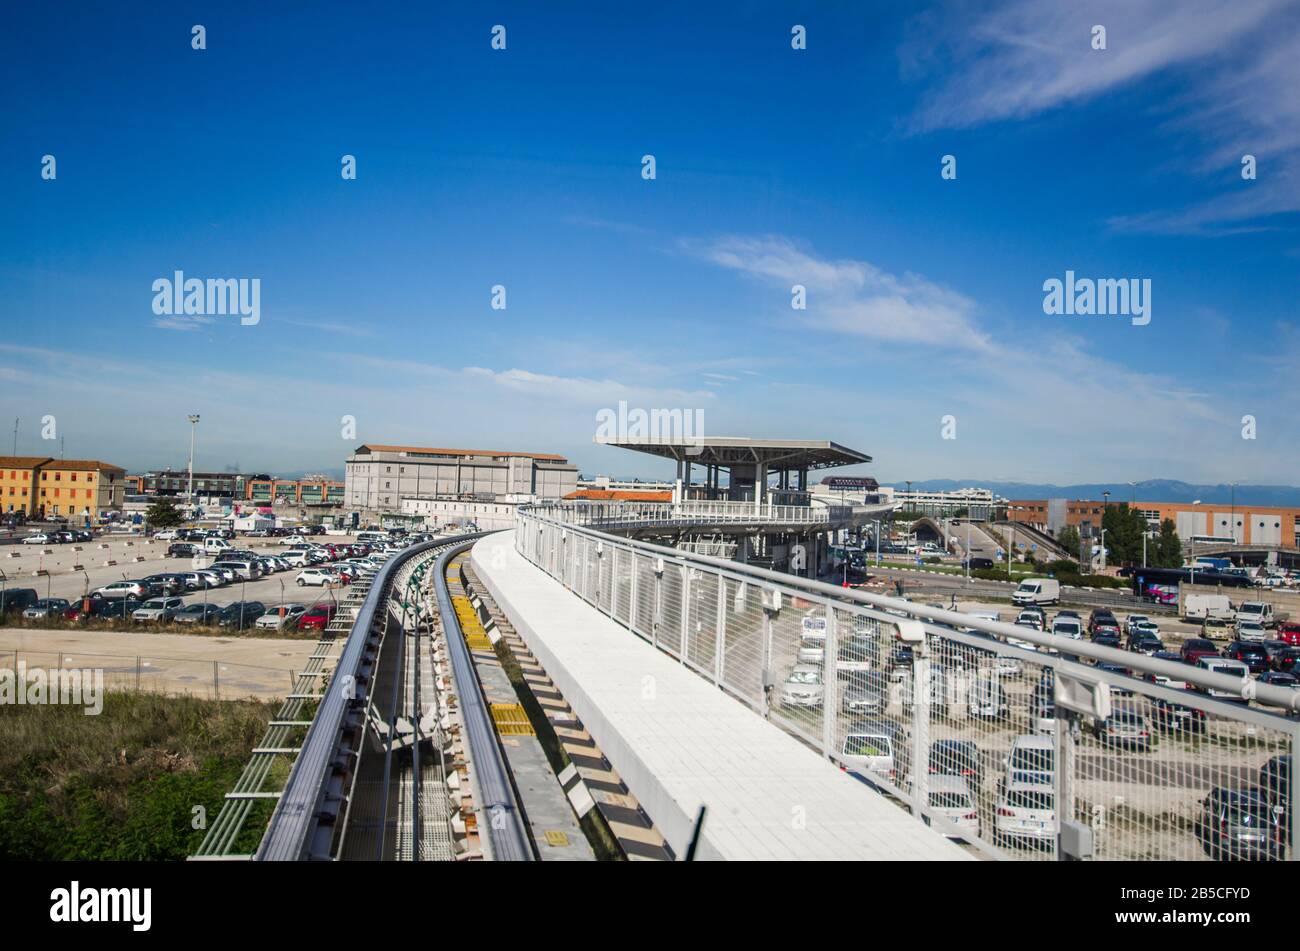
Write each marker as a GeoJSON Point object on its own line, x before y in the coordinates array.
{"type": "Point", "coordinates": [1200, 606]}
{"type": "Point", "coordinates": [214, 545]}
{"type": "Point", "coordinates": [1037, 591]}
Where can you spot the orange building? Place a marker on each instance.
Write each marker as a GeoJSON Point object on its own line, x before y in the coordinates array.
{"type": "Point", "coordinates": [1245, 523]}
{"type": "Point", "coordinates": [76, 488]}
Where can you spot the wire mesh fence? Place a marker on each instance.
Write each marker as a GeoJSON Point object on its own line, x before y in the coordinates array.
{"type": "Point", "coordinates": [961, 724]}
{"type": "Point", "coordinates": [175, 676]}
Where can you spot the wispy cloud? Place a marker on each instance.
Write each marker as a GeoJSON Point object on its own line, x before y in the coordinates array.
{"type": "Point", "coordinates": [852, 296]}
{"type": "Point", "coordinates": [1235, 59]}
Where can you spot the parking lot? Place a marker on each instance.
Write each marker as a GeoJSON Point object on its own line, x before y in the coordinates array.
{"type": "Point", "coordinates": [64, 580]}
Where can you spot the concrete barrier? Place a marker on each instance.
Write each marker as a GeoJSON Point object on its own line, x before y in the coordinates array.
{"type": "Point", "coordinates": [110, 563]}
{"type": "Point", "coordinates": [103, 545]}
{"type": "Point", "coordinates": [15, 554]}
{"type": "Point", "coordinates": [39, 572]}
{"type": "Point", "coordinates": [78, 567]}
{"type": "Point", "coordinates": [138, 558]}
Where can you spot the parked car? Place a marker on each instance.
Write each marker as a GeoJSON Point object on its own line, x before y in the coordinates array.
{"type": "Point", "coordinates": [183, 550]}
{"type": "Point", "coordinates": [123, 589]}
{"type": "Point", "coordinates": [198, 614]}
{"type": "Point", "coordinates": [987, 699]}
{"type": "Point", "coordinates": [956, 758]}
{"type": "Point", "coordinates": [116, 609]}
{"type": "Point", "coordinates": [40, 538]}
{"type": "Point", "coordinates": [864, 693]}
{"type": "Point", "coordinates": [803, 688]}
{"type": "Point", "coordinates": [1279, 678]}
{"type": "Point", "coordinates": [1251, 631]}
{"type": "Point", "coordinates": [1217, 628]}
{"type": "Point", "coordinates": [1172, 717]}
{"type": "Point", "coordinates": [1239, 824]}
{"type": "Point", "coordinates": [1067, 627]}
{"type": "Point", "coordinates": [242, 614]}
{"type": "Point", "coordinates": [1289, 632]}
{"type": "Point", "coordinates": [166, 535]}
{"type": "Point", "coordinates": [45, 608]}
{"type": "Point", "coordinates": [283, 618]}
{"type": "Point", "coordinates": [871, 748]}
{"type": "Point", "coordinates": [1228, 666]}
{"type": "Point", "coordinates": [1102, 617]}
{"type": "Point", "coordinates": [166, 583]}
{"type": "Point", "coordinates": [316, 577]}
{"type": "Point", "coordinates": [1025, 815]}
{"type": "Point", "coordinates": [317, 617]}
{"type": "Point", "coordinates": [1253, 655]}
{"type": "Point", "coordinates": [951, 798]}
{"type": "Point", "coordinates": [160, 610]}
{"type": "Point", "coordinates": [1143, 642]}
{"type": "Point", "coordinates": [1126, 728]}
{"type": "Point", "coordinates": [1195, 648]}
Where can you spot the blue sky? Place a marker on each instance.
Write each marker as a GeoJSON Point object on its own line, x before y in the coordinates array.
{"type": "Point", "coordinates": [522, 167]}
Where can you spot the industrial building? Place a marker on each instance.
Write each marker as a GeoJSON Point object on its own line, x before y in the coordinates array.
{"type": "Point", "coordinates": [1240, 523]}
{"type": "Point", "coordinates": [378, 478]}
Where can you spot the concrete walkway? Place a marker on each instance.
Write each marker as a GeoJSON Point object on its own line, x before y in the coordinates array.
{"type": "Point", "coordinates": [679, 742]}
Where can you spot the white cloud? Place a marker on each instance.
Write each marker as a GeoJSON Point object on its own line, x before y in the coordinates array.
{"type": "Point", "coordinates": [1236, 58]}
{"type": "Point", "coordinates": [853, 297]}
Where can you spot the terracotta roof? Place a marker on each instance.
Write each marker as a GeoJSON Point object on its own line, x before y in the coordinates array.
{"type": "Point", "coordinates": [375, 447]}
{"type": "Point", "coordinates": [620, 495]}
{"type": "Point", "coordinates": [22, 462]}
{"type": "Point", "coordinates": [83, 464]}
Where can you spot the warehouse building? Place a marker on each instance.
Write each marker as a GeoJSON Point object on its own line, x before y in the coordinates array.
{"type": "Point", "coordinates": [379, 477]}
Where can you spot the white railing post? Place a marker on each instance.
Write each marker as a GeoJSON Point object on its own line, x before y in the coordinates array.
{"type": "Point", "coordinates": [686, 612]}
{"type": "Point", "coordinates": [920, 768]}
{"type": "Point", "coordinates": [720, 631]}
{"type": "Point", "coordinates": [830, 692]}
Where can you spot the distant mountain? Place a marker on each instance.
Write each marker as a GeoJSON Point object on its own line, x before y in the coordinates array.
{"type": "Point", "coordinates": [1152, 490]}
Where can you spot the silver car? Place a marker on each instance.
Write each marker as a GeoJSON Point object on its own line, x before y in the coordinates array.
{"type": "Point", "coordinates": [46, 607]}
{"type": "Point", "coordinates": [158, 609]}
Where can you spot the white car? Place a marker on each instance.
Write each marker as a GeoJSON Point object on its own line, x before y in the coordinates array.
{"type": "Point", "coordinates": [166, 535]}
{"type": "Point", "coordinates": [317, 577]}
{"type": "Point", "coordinates": [869, 749]}
{"type": "Point", "coordinates": [38, 539]}
{"type": "Point", "coordinates": [293, 540]}
{"type": "Point", "coordinates": [297, 559]}
{"type": "Point", "coordinates": [1025, 815]}
{"type": "Point", "coordinates": [803, 688]}
{"type": "Point", "coordinates": [1251, 631]}
{"type": "Point", "coordinates": [1068, 627]}
{"type": "Point", "coordinates": [812, 649]}
{"type": "Point", "coordinates": [951, 797]}
{"type": "Point", "coordinates": [158, 609]}
{"type": "Point", "coordinates": [285, 616]}
{"type": "Point", "coordinates": [120, 589]}
{"type": "Point", "coordinates": [1133, 621]}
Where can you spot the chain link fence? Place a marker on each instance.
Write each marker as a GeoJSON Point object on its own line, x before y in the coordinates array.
{"type": "Point", "coordinates": [174, 676]}
{"type": "Point", "coordinates": [1020, 744]}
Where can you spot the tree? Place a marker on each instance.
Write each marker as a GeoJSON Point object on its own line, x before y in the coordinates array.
{"type": "Point", "coordinates": [1169, 548]}
{"type": "Point", "coordinates": [163, 514]}
{"type": "Point", "coordinates": [1068, 538]}
{"type": "Point", "coordinates": [1124, 527]}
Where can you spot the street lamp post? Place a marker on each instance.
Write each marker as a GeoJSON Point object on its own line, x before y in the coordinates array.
{"type": "Point", "coordinates": [194, 424]}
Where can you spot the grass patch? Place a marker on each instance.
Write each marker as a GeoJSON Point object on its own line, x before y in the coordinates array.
{"type": "Point", "coordinates": [123, 785]}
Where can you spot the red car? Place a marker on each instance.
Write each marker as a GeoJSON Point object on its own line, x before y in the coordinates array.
{"type": "Point", "coordinates": [1290, 633]}
{"type": "Point", "coordinates": [316, 617]}
{"type": "Point", "coordinates": [1196, 648]}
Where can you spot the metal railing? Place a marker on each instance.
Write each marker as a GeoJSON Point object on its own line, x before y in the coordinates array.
{"type": "Point", "coordinates": [962, 726]}
{"type": "Point", "coordinates": [616, 515]}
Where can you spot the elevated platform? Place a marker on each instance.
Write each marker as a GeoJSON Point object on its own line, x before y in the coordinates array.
{"type": "Point", "coordinates": [679, 742]}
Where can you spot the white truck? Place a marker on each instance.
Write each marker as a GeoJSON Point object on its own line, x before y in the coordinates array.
{"type": "Point", "coordinates": [1037, 591]}
{"type": "Point", "coordinates": [1200, 606]}
{"type": "Point", "coordinates": [1261, 612]}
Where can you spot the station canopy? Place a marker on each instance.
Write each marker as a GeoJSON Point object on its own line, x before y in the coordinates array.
{"type": "Point", "coordinates": [728, 451]}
